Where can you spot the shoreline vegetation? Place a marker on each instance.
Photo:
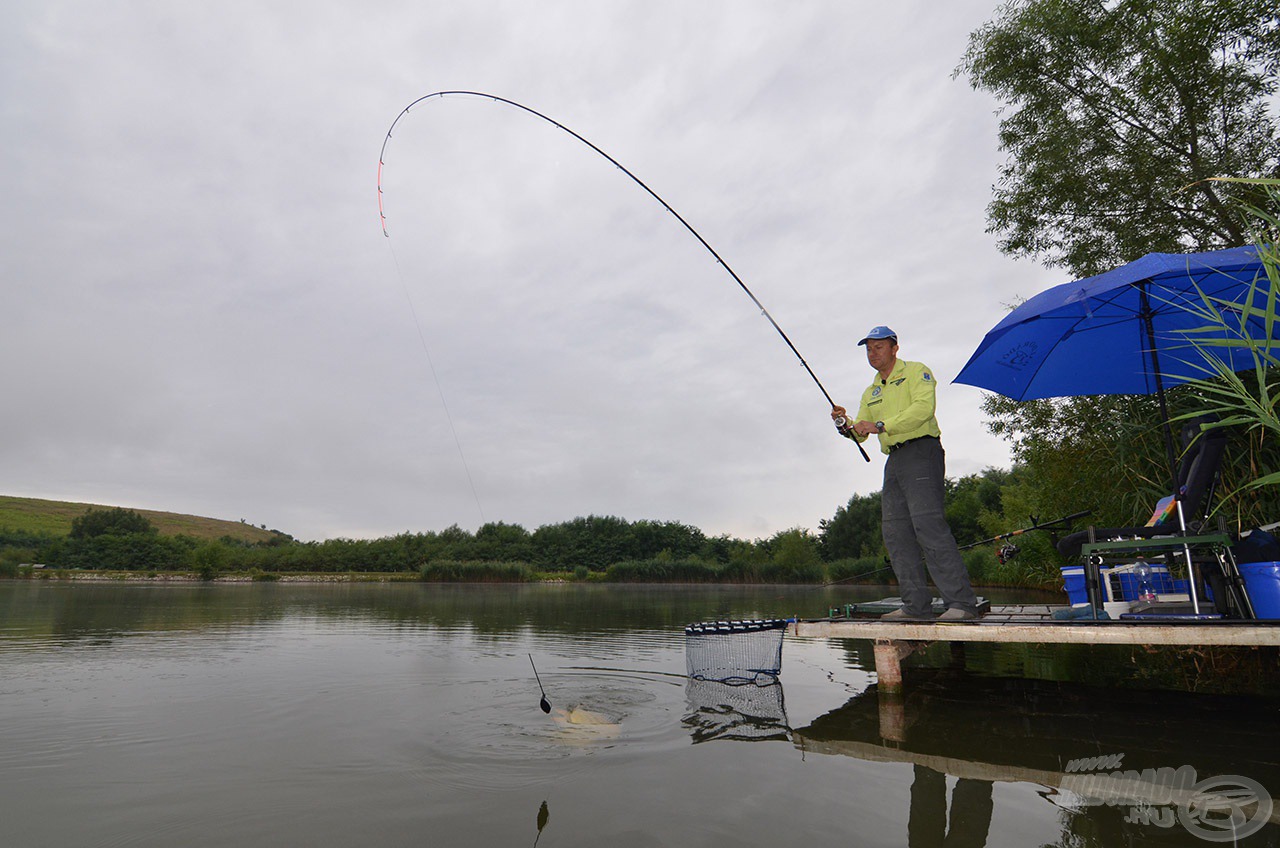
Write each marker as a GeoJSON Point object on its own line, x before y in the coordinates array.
{"type": "Point", "coordinates": [56, 540]}
{"type": "Point", "coordinates": [57, 575]}
{"type": "Point", "coordinates": [634, 573]}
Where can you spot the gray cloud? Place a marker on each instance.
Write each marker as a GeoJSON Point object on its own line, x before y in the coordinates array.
{"type": "Point", "coordinates": [201, 313]}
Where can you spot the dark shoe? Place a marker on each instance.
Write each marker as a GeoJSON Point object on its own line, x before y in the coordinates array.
{"type": "Point", "coordinates": [903, 615]}
{"type": "Point", "coordinates": [958, 614]}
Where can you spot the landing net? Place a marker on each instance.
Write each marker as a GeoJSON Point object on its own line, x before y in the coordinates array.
{"type": "Point", "coordinates": [749, 712]}
{"type": "Point", "coordinates": [735, 652]}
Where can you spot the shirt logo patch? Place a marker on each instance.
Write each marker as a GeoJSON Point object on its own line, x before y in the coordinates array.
{"type": "Point", "coordinates": [899, 381]}
{"type": "Point", "coordinates": [875, 392]}
{"type": "Point", "coordinates": [927, 376]}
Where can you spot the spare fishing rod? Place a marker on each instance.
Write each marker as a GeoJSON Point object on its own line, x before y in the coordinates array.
{"type": "Point", "coordinates": [637, 181]}
{"type": "Point", "coordinates": [1052, 527]}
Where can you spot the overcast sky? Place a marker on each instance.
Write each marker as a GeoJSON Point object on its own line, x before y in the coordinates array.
{"type": "Point", "coordinates": [201, 313]}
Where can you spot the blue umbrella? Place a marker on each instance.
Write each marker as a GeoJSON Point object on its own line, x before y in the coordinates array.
{"type": "Point", "coordinates": [1122, 332]}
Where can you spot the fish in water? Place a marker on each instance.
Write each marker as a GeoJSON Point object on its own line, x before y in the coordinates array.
{"type": "Point", "coordinates": [581, 724]}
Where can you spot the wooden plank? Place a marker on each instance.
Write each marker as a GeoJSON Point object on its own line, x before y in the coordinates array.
{"type": "Point", "coordinates": [1001, 629]}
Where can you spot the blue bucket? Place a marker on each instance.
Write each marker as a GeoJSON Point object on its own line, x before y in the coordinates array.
{"type": "Point", "coordinates": [1262, 582]}
{"type": "Point", "coordinates": [1073, 584]}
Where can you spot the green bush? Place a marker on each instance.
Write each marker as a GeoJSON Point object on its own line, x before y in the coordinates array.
{"type": "Point", "coordinates": [775, 572]}
{"type": "Point", "coordinates": [110, 522]}
{"type": "Point", "coordinates": [11, 558]}
{"type": "Point", "coordinates": [451, 571]}
{"type": "Point", "coordinates": [979, 561]}
{"type": "Point", "coordinates": [663, 570]}
{"type": "Point", "coordinates": [130, 552]}
{"type": "Point", "coordinates": [744, 570]}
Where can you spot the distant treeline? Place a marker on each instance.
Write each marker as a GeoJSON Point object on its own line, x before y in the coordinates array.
{"type": "Point", "coordinates": [584, 548]}
{"type": "Point", "coordinates": [846, 546]}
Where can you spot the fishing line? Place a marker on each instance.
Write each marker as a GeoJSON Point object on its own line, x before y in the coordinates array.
{"type": "Point", "coordinates": [858, 576]}
{"type": "Point", "coordinates": [637, 673]}
{"type": "Point", "coordinates": [441, 94]}
{"type": "Point", "coordinates": [422, 337]}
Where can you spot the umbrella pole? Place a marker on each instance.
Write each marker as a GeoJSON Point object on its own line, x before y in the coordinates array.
{"type": "Point", "coordinates": [1168, 442]}
{"type": "Point", "coordinates": [1170, 456]}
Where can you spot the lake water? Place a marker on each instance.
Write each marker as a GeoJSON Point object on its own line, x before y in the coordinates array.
{"type": "Point", "coordinates": [407, 714]}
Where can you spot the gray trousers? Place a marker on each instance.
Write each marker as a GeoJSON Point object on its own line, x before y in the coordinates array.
{"type": "Point", "coordinates": [914, 525]}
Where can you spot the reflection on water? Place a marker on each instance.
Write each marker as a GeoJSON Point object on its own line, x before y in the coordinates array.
{"type": "Point", "coordinates": [355, 715]}
{"type": "Point", "coordinates": [930, 826]}
{"type": "Point", "coordinates": [1122, 768]}
{"type": "Point", "coordinates": [749, 711]}
{"type": "Point", "coordinates": [544, 816]}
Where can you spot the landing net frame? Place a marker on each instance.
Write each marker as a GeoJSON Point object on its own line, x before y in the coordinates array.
{"type": "Point", "coordinates": [735, 652]}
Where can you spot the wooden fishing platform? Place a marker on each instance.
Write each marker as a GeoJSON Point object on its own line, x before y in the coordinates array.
{"type": "Point", "coordinates": [1030, 623]}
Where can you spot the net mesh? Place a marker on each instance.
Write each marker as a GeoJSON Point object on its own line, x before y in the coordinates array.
{"type": "Point", "coordinates": [749, 712]}
{"type": "Point", "coordinates": [735, 652]}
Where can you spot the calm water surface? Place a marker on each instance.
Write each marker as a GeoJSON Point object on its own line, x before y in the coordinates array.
{"type": "Point", "coordinates": [352, 715]}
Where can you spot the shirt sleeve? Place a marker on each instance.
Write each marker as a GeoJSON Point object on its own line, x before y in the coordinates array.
{"type": "Point", "coordinates": [920, 410]}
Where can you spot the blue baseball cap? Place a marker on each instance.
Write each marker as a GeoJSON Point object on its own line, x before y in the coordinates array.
{"type": "Point", "coordinates": [880, 332]}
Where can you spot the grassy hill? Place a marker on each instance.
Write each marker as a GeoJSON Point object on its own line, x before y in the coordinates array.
{"type": "Point", "coordinates": [41, 516]}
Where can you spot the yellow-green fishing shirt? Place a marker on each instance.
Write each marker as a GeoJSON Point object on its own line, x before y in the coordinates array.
{"type": "Point", "coordinates": [905, 403]}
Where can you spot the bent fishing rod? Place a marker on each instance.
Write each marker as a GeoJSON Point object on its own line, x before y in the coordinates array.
{"type": "Point", "coordinates": [636, 180]}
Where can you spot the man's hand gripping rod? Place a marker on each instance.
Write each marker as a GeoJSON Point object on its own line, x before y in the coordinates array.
{"type": "Point", "coordinates": [845, 428]}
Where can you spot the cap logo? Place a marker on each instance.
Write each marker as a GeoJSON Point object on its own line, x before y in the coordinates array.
{"type": "Point", "coordinates": [877, 333]}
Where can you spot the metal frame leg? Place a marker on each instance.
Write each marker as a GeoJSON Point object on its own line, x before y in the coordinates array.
{"type": "Point", "coordinates": [1093, 582]}
{"type": "Point", "coordinates": [1235, 583]}
{"type": "Point", "coordinates": [1186, 552]}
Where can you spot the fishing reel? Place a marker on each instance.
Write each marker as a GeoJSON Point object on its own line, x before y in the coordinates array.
{"type": "Point", "coordinates": [1006, 553]}
{"type": "Point", "coordinates": [843, 427]}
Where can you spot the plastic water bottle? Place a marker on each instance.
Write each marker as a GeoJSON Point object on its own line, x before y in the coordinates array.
{"type": "Point", "coordinates": [1146, 592]}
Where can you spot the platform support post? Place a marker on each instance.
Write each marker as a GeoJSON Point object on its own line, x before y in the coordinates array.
{"type": "Point", "coordinates": [889, 654]}
{"type": "Point", "coordinates": [893, 716]}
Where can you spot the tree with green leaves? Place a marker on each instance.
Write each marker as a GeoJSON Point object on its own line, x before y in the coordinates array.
{"type": "Point", "coordinates": [1100, 453]}
{"type": "Point", "coordinates": [854, 531]}
{"type": "Point", "coordinates": [110, 522]}
{"type": "Point", "coordinates": [1114, 114]}
{"type": "Point", "coordinates": [972, 500]}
